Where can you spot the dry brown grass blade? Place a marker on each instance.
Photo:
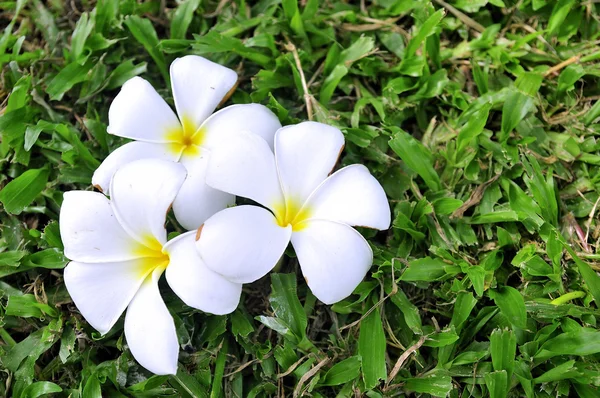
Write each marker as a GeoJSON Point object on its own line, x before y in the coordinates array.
{"type": "Point", "coordinates": [308, 375]}
{"type": "Point", "coordinates": [404, 357]}
{"type": "Point", "coordinates": [474, 199]}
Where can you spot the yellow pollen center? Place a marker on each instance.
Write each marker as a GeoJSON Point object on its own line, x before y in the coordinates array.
{"type": "Point", "coordinates": [185, 139]}
{"type": "Point", "coordinates": [151, 256]}
{"type": "Point", "coordinates": [291, 212]}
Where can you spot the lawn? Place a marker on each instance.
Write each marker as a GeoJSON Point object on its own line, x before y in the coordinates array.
{"type": "Point", "coordinates": [480, 118]}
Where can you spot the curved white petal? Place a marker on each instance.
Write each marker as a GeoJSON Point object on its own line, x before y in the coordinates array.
{"type": "Point", "coordinates": [305, 154]}
{"type": "Point", "coordinates": [196, 201]}
{"type": "Point", "coordinates": [139, 113]}
{"type": "Point", "coordinates": [141, 195]}
{"type": "Point", "coordinates": [101, 292]}
{"type": "Point", "coordinates": [246, 167]}
{"type": "Point", "coordinates": [351, 196]}
{"type": "Point", "coordinates": [199, 85]}
{"type": "Point", "coordinates": [194, 282]}
{"type": "Point", "coordinates": [150, 329]}
{"type": "Point", "coordinates": [90, 230]}
{"type": "Point", "coordinates": [127, 153]}
{"type": "Point", "coordinates": [222, 126]}
{"type": "Point", "coordinates": [334, 258]}
{"type": "Point", "coordinates": [242, 243]}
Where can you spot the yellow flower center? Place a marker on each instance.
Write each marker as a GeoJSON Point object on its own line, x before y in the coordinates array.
{"type": "Point", "coordinates": [151, 256]}
{"type": "Point", "coordinates": [291, 213]}
{"type": "Point", "coordinates": [185, 139]}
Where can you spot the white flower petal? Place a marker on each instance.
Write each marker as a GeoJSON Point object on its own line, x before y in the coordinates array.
{"type": "Point", "coordinates": [141, 195]}
{"type": "Point", "coordinates": [101, 292]}
{"type": "Point", "coordinates": [242, 243]}
{"type": "Point", "coordinates": [351, 196]}
{"type": "Point", "coordinates": [196, 201]}
{"type": "Point", "coordinates": [246, 167]}
{"type": "Point", "coordinates": [334, 258]}
{"type": "Point", "coordinates": [90, 230]}
{"type": "Point", "coordinates": [150, 329]}
{"type": "Point", "coordinates": [305, 154]}
{"type": "Point", "coordinates": [127, 153]}
{"type": "Point", "coordinates": [138, 112]}
{"type": "Point", "coordinates": [194, 282]}
{"type": "Point", "coordinates": [199, 85]}
{"type": "Point", "coordinates": [222, 126]}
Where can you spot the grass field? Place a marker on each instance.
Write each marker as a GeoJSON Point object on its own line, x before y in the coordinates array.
{"type": "Point", "coordinates": [478, 117]}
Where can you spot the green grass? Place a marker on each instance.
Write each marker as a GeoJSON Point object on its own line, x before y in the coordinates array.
{"type": "Point", "coordinates": [478, 117]}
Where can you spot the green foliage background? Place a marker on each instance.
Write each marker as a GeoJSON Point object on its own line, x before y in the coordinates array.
{"type": "Point", "coordinates": [479, 118]}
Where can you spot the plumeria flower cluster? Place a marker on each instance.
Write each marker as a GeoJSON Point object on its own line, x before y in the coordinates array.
{"type": "Point", "coordinates": [197, 163]}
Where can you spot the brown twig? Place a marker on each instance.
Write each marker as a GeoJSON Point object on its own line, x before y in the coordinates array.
{"type": "Point", "coordinates": [404, 357]}
{"type": "Point", "coordinates": [291, 368]}
{"type": "Point", "coordinates": [463, 17]}
{"type": "Point", "coordinates": [560, 119]}
{"type": "Point", "coordinates": [563, 64]}
{"type": "Point", "coordinates": [576, 228]}
{"type": "Point", "coordinates": [307, 97]}
{"type": "Point", "coordinates": [316, 74]}
{"type": "Point", "coordinates": [590, 218]}
{"type": "Point", "coordinates": [474, 199]}
{"type": "Point", "coordinates": [218, 10]}
{"type": "Point", "coordinates": [245, 365]}
{"type": "Point", "coordinates": [308, 375]}
{"type": "Point", "coordinates": [84, 127]}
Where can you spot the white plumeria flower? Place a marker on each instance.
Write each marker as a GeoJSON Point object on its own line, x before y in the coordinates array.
{"type": "Point", "coordinates": [139, 113]}
{"type": "Point", "coordinates": [306, 206]}
{"type": "Point", "coordinates": [119, 250]}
